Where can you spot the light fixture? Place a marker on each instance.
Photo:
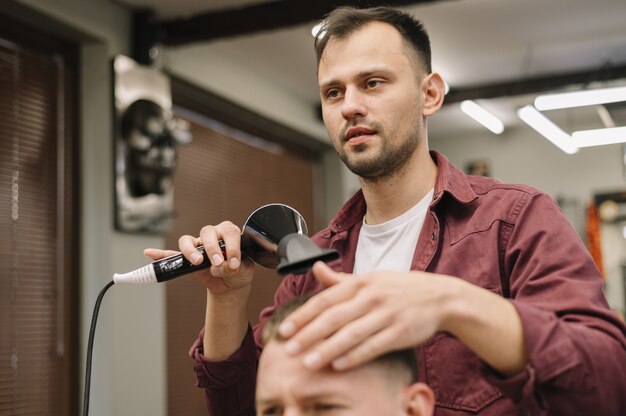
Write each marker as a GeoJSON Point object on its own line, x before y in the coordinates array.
{"type": "Point", "coordinates": [598, 137]}
{"type": "Point", "coordinates": [315, 30]}
{"type": "Point", "coordinates": [605, 116]}
{"type": "Point", "coordinates": [547, 128]}
{"type": "Point", "coordinates": [483, 116]}
{"type": "Point", "coordinates": [580, 98]}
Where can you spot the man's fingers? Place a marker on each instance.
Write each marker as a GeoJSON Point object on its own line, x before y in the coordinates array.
{"type": "Point", "coordinates": [230, 234]}
{"type": "Point", "coordinates": [376, 345]}
{"type": "Point", "coordinates": [330, 321]}
{"type": "Point", "coordinates": [325, 275]}
{"type": "Point", "coordinates": [209, 238]}
{"type": "Point", "coordinates": [315, 307]}
{"type": "Point", "coordinates": [157, 254]}
{"type": "Point", "coordinates": [187, 245]}
{"type": "Point", "coordinates": [346, 340]}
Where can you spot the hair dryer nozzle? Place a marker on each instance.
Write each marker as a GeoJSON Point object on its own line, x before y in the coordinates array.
{"type": "Point", "coordinates": [298, 254]}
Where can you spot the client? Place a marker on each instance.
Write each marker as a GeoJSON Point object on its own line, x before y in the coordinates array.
{"type": "Point", "coordinates": [385, 386]}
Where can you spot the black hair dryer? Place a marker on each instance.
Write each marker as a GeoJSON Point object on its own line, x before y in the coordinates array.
{"type": "Point", "coordinates": [273, 236]}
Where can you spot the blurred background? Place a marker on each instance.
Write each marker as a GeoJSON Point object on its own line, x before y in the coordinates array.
{"type": "Point", "coordinates": [127, 123]}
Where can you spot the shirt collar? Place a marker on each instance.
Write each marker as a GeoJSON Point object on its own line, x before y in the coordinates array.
{"type": "Point", "coordinates": [449, 180]}
{"type": "Point", "coordinates": [352, 212]}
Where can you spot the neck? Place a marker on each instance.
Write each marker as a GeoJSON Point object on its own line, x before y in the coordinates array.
{"type": "Point", "coordinates": [390, 197]}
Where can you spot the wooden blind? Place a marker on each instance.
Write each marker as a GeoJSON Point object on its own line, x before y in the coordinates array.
{"type": "Point", "coordinates": [221, 178]}
{"type": "Point", "coordinates": [38, 355]}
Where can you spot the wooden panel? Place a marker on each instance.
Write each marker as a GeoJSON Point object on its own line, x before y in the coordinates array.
{"type": "Point", "coordinates": [220, 178]}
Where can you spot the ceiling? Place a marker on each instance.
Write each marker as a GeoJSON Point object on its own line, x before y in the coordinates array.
{"type": "Point", "coordinates": [500, 52]}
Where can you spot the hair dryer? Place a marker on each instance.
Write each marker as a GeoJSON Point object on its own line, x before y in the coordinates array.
{"type": "Point", "coordinates": [273, 236]}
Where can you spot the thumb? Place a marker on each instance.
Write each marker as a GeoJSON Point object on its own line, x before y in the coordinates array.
{"type": "Point", "coordinates": [157, 254]}
{"type": "Point", "coordinates": [325, 275]}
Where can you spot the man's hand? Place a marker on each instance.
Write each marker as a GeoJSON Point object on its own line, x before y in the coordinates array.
{"type": "Point", "coordinates": [361, 317]}
{"type": "Point", "coordinates": [226, 275]}
{"type": "Point", "coordinates": [358, 318]}
{"type": "Point", "coordinates": [228, 282]}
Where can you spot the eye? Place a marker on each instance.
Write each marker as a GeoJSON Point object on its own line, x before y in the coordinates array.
{"type": "Point", "coordinates": [333, 93]}
{"type": "Point", "coordinates": [373, 83]}
{"type": "Point", "coordinates": [325, 408]}
{"type": "Point", "coordinates": [271, 411]}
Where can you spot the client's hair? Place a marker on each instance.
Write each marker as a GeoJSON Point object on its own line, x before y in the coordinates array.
{"type": "Point", "coordinates": [402, 362]}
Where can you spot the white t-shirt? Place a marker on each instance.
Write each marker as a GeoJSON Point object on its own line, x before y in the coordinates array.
{"type": "Point", "coordinates": [391, 245]}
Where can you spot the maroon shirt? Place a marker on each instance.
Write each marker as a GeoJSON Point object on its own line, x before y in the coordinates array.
{"type": "Point", "coordinates": [512, 240]}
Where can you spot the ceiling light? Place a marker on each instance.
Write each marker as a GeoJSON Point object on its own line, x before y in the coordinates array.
{"type": "Point", "coordinates": [598, 137]}
{"type": "Point", "coordinates": [580, 98]}
{"type": "Point", "coordinates": [315, 30]}
{"type": "Point", "coordinates": [547, 128]}
{"type": "Point", "coordinates": [482, 116]}
{"type": "Point", "coordinates": [605, 116]}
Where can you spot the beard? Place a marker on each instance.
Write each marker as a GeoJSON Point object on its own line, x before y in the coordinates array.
{"type": "Point", "coordinates": [389, 160]}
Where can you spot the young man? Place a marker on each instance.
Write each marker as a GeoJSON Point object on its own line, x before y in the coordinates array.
{"type": "Point", "coordinates": [386, 385]}
{"type": "Point", "coordinates": [488, 281]}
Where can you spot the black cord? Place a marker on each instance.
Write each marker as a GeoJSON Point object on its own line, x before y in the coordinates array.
{"type": "Point", "coordinates": [92, 332]}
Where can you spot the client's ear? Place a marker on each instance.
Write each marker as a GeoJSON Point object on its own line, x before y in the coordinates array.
{"type": "Point", "coordinates": [419, 400]}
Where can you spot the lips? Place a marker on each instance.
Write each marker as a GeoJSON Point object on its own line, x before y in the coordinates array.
{"type": "Point", "coordinates": [357, 132]}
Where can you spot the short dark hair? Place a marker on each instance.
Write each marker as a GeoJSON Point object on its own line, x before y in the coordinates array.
{"type": "Point", "coordinates": [401, 361]}
{"type": "Point", "coordinates": [343, 21]}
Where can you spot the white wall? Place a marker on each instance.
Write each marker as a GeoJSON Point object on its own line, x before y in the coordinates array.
{"type": "Point", "coordinates": [520, 155]}
{"type": "Point", "coordinates": [239, 83]}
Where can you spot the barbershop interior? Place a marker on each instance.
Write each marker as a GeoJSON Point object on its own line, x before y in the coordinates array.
{"type": "Point", "coordinates": [126, 124]}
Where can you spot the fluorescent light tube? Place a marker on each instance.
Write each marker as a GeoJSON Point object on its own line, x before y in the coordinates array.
{"type": "Point", "coordinates": [547, 129]}
{"type": "Point", "coordinates": [580, 98]}
{"type": "Point", "coordinates": [316, 29]}
{"type": "Point", "coordinates": [482, 116]}
{"type": "Point", "coordinates": [605, 116]}
{"type": "Point", "coordinates": [599, 137]}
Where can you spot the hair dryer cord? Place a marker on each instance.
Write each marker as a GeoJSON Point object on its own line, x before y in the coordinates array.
{"type": "Point", "coordinates": [92, 332]}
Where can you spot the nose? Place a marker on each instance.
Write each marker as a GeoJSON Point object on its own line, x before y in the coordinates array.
{"type": "Point", "coordinates": [353, 105]}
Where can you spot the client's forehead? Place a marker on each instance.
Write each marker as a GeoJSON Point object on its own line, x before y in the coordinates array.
{"type": "Point", "coordinates": [277, 365]}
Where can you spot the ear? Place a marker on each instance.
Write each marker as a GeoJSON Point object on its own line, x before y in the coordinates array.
{"type": "Point", "coordinates": [433, 89]}
{"type": "Point", "coordinates": [419, 400]}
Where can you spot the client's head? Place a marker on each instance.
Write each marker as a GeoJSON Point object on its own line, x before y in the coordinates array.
{"type": "Point", "coordinates": [385, 386]}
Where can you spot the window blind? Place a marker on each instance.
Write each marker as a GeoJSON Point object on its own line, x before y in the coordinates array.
{"type": "Point", "coordinates": [38, 359]}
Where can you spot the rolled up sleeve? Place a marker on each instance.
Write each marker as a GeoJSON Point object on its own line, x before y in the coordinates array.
{"type": "Point", "coordinates": [228, 384]}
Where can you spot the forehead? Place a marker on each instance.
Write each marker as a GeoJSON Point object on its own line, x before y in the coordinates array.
{"type": "Point", "coordinates": [280, 372]}
{"type": "Point", "coordinates": [374, 44]}
{"type": "Point", "coordinates": [275, 361]}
